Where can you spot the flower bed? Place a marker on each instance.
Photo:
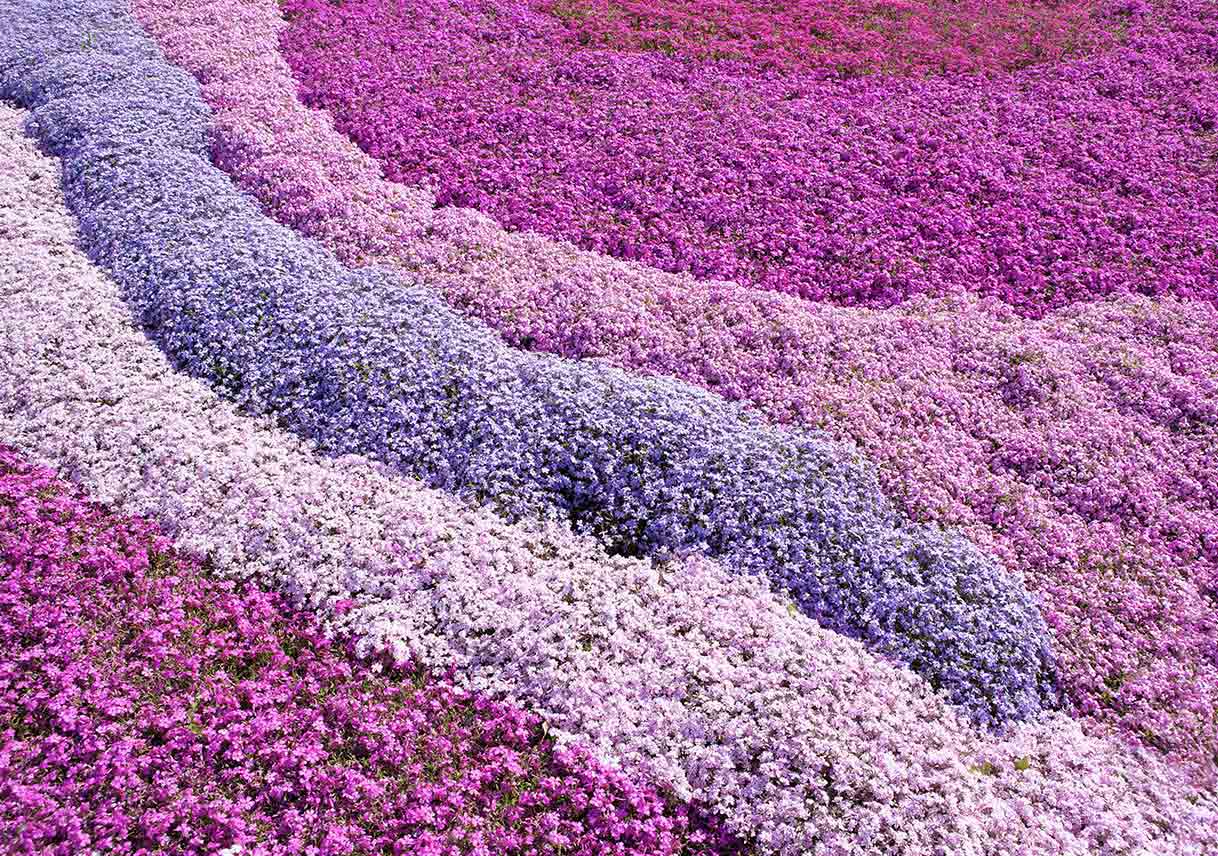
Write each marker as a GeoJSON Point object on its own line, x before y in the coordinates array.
{"type": "Point", "coordinates": [1079, 448]}
{"type": "Point", "coordinates": [1060, 183]}
{"type": "Point", "coordinates": [695, 630]}
{"type": "Point", "coordinates": [363, 362]}
{"type": "Point", "coordinates": [796, 735]}
{"type": "Point", "coordinates": [855, 38]}
{"type": "Point", "coordinates": [152, 707]}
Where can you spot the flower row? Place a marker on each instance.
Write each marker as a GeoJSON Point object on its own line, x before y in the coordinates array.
{"type": "Point", "coordinates": [1059, 183]}
{"type": "Point", "coordinates": [153, 708]}
{"type": "Point", "coordinates": [1078, 448]}
{"type": "Point", "coordinates": [684, 674]}
{"type": "Point", "coordinates": [364, 362]}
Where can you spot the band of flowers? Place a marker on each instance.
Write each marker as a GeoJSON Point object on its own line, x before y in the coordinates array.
{"type": "Point", "coordinates": [1040, 185]}
{"type": "Point", "coordinates": [684, 674]}
{"type": "Point", "coordinates": [364, 362]}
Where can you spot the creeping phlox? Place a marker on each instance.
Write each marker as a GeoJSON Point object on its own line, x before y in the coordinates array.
{"type": "Point", "coordinates": [1057, 183]}
{"type": "Point", "coordinates": [196, 714]}
{"type": "Point", "coordinates": [364, 362]}
{"type": "Point", "coordinates": [841, 39]}
{"type": "Point", "coordinates": [684, 674]}
{"type": "Point", "coordinates": [1081, 448]}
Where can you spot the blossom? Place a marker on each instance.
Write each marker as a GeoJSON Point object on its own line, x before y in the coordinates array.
{"type": "Point", "coordinates": [683, 674]}
{"type": "Point", "coordinates": [364, 362]}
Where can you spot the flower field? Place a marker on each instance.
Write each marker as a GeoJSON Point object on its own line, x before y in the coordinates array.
{"type": "Point", "coordinates": [603, 427]}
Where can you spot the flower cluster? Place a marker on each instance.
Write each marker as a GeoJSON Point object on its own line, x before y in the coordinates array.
{"type": "Point", "coordinates": [1058, 183]}
{"type": "Point", "coordinates": [1079, 448]}
{"type": "Point", "coordinates": [152, 707]}
{"type": "Point", "coordinates": [364, 362]}
{"type": "Point", "coordinates": [858, 38]}
{"type": "Point", "coordinates": [685, 675]}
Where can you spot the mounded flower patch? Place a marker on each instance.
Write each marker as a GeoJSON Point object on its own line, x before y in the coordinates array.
{"type": "Point", "coordinates": [1077, 447]}
{"type": "Point", "coordinates": [392, 526]}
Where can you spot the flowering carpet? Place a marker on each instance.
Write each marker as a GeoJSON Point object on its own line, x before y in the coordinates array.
{"type": "Point", "coordinates": [591, 426]}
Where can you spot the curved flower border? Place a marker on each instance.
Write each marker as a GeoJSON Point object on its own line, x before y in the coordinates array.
{"type": "Point", "coordinates": [364, 363]}
{"type": "Point", "coordinates": [682, 673]}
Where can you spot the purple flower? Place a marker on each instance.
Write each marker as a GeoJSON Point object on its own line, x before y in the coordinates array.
{"type": "Point", "coordinates": [245, 728]}
{"type": "Point", "coordinates": [363, 362]}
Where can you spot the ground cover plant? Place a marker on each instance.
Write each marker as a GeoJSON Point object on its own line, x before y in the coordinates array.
{"type": "Point", "coordinates": [755, 700]}
{"type": "Point", "coordinates": [927, 568]}
{"type": "Point", "coordinates": [182, 712]}
{"type": "Point", "coordinates": [1077, 447]}
{"type": "Point", "coordinates": [1058, 183]}
{"type": "Point", "coordinates": [843, 39]}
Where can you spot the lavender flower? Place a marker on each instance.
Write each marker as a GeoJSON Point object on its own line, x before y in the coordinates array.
{"type": "Point", "coordinates": [681, 673]}
{"type": "Point", "coordinates": [361, 362]}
